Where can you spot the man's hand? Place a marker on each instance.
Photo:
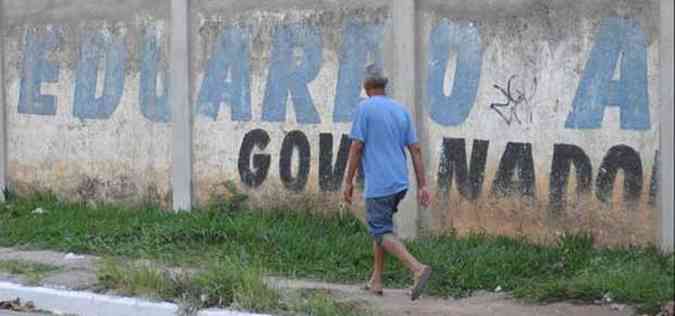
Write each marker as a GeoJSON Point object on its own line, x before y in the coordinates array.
{"type": "Point", "coordinates": [355, 152]}
{"type": "Point", "coordinates": [423, 196]}
{"type": "Point", "coordinates": [348, 193]}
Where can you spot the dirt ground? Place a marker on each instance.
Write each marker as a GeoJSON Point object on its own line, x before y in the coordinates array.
{"type": "Point", "coordinates": [78, 273]}
{"type": "Point", "coordinates": [396, 302]}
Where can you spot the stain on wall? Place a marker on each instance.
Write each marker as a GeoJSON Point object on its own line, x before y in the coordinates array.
{"type": "Point", "coordinates": [539, 117]}
{"type": "Point", "coordinates": [87, 101]}
{"type": "Point", "coordinates": [546, 109]}
{"type": "Point", "coordinates": [275, 93]}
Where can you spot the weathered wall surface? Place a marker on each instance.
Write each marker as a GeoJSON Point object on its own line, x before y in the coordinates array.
{"type": "Point", "coordinates": [542, 116]}
{"type": "Point", "coordinates": [275, 86]}
{"type": "Point", "coordinates": [86, 98]}
{"type": "Point", "coordinates": [537, 116]}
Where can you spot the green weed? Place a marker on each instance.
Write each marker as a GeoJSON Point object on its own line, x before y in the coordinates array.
{"type": "Point", "coordinates": [33, 272]}
{"type": "Point", "coordinates": [136, 279]}
{"type": "Point", "coordinates": [338, 249]}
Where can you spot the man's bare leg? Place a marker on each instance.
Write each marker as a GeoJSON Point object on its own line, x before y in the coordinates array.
{"type": "Point", "coordinates": [375, 283]}
{"type": "Point", "coordinates": [396, 248]}
{"type": "Point", "coordinates": [420, 271]}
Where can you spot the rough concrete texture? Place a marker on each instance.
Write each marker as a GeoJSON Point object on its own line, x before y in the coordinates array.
{"type": "Point", "coordinates": [63, 302]}
{"type": "Point", "coordinates": [3, 112]}
{"type": "Point", "coordinates": [537, 117]}
{"type": "Point", "coordinates": [524, 122]}
{"type": "Point", "coordinates": [86, 103]}
{"type": "Point", "coordinates": [73, 11]}
{"type": "Point", "coordinates": [406, 221]}
{"type": "Point", "coordinates": [8, 313]}
{"type": "Point", "coordinates": [324, 39]}
{"type": "Point", "coordinates": [180, 105]}
{"type": "Point", "coordinates": [75, 272]}
{"type": "Point", "coordinates": [69, 290]}
{"type": "Point", "coordinates": [63, 260]}
{"type": "Point", "coordinates": [667, 55]}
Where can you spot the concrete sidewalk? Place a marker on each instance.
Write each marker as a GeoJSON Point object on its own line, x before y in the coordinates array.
{"type": "Point", "coordinates": [77, 272]}
{"type": "Point", "coordinates": [73, 289]}
{"type": "Point", "coordinates": [8, 313]}
{"type": "Point", "coordinates": [80, 303]}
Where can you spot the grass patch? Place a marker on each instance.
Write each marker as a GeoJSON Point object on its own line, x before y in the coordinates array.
{"type": "Point", "coordinates": [136, 279]}
{"type": "Point", "coordinates": [229, 282]}
{"type": "Point", "coordinates": [337, 249]}
{"type": "Point", "coordinates": [224, 283]}
{"type": "Point", "coordinates": [629, 277]}
{"type": "Point", "coordinates": [33, 272]}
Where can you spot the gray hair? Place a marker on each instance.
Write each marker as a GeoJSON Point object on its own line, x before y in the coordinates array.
{"type": "Point", "coordinates": [375, 76]}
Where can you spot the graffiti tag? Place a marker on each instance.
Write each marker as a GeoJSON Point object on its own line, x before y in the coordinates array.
{"type": "Point", "coordinates": [515, 99]}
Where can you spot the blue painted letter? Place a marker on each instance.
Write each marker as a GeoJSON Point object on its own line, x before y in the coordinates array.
{"type": "Point", "coordinates": [94, 47]}
{"type": "Point", "coordinates": [465, 40]}
{"type": "Point", "coordinates": [37, 70]}
{"type": "Point", "coordinates": [286, 74]}
{"type": "Point", "coordinates": [154, 107]}
{"type": "Point", "coordinates": [360, 41]}
{"type": "Point", "coordinates": [598, 90]}
{"type": "Point", "coordinates": [230, 59]}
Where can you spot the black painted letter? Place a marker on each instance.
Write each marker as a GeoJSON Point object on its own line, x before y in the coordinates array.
{"type": "Point", "coordinates": [654, 185]}
{"type": "Point", "coordinates": [453, 163]}
{"type": "Point", "coordinates": [261, 162]}
{"type": "Point", "coordinates": [295, 140]}
{"type": "Point", "coordinates": [330, 178]}
{"type": "Point", "coordinates": [517, 156]}
{"type": "Point", "coordinates": [624, 158]}
{"type": "Point", "coordinates": [563, 158]}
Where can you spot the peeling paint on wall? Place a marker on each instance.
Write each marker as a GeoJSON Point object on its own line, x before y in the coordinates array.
{"type": "Point", "coordinates": [90, 114]}
{"type": "Point", "coordinates": [526, 122]}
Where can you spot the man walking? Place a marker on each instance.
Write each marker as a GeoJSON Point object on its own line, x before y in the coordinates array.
{"type": "Point", "coordinates": [382, 129]}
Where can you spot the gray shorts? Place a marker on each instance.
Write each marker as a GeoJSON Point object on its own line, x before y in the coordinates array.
{"type": "Point", "coordinates": [380, 212]}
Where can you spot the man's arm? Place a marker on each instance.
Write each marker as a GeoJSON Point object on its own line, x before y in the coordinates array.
{"type": "Point", "coordinates": [355, 153]}
{"type": "Point", "coordinates": [423, 194]}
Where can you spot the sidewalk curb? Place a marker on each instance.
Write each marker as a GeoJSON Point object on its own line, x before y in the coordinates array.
{"type": "Point", "coordinates": [90, 304]}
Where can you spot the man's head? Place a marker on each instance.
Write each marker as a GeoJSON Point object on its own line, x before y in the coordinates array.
{"type": "Point", "coordinates": [375, 83]}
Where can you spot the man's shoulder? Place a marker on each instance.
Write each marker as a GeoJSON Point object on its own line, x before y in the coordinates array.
{"type": "Point", "coordinates": [394, 103]}
{"type": "Point", "coordinates": [363, 103]}
{"type": "Point", "coordinates": [368, 105]}
{"type": "Point", "coordinates": [382, 100]}
{"type": "Point", "coordinates": [400, 107]}
{"type": "Point", "coordinates": [382, 104]}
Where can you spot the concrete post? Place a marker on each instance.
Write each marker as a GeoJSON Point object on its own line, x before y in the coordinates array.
{"type": "Point", "coordinates": [3, 107]}
{"type": "Point", "coordinates": [666, 95]}
{"type": "Point", "coordinates": [181, 105]}
{"type": "Point", "coordinates": [427, 217]}
{"type": "Point", "coordinates": [404, 71]}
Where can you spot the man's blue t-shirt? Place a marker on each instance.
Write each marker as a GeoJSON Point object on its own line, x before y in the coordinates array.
{"type": "Point", "coordinates": [386, 129]}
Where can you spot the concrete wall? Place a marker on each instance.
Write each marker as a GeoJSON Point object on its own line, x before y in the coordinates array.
{"type": "Point", "coordinates": [542, 116]}
{"type": "Point", "coordinates": [275, 84]}
{"type": "Point", "coordinates": [667, 114]}
{"type": "Point", "coordinates": [86, 98]}
{"type": "Point", "coordinates": [536, 117]}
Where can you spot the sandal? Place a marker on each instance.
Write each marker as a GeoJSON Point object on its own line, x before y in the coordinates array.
{"type": "Point", "coordinates": [420, 283]}
{"type": "Point", "coordinates": [367, 287]}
